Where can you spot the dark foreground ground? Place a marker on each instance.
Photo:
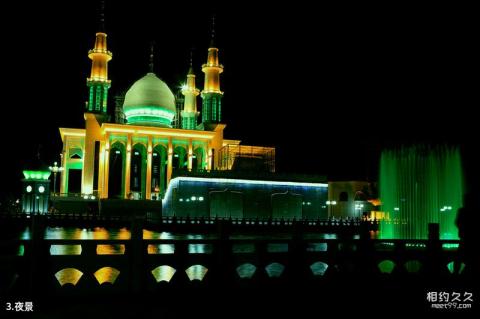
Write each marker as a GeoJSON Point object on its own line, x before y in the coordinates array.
{"type": "Point", "coordinates": [385, 296]}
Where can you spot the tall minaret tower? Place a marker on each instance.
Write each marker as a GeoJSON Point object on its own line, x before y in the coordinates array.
{"type": "Point", "coordinates": [96, 110]}
{"type": "Point", "coordinates": [211, 94]}
{"type": "Point", "coordinates": [189, 113]}
{"type": "Point", "coordinates": [98, 82]}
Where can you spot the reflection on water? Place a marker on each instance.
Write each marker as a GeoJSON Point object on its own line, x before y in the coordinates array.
{"type": "Point", "coordinates": [101, 233]}
{"type": "Point", "coordinates": [124, 234]}
{"type": "Point", "coordinates": [148, 234]}
{"type": "Point", "coordinates": [283, 236]}
{"type": "Point", "coordinates": [86, 233]}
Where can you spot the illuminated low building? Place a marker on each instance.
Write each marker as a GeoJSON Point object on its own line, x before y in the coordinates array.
{"type": "Point", "coordinates": [36, 188]}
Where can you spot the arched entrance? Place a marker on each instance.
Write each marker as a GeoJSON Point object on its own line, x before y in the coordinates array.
{"type": "Point", "coordinates": [159, 170]}
{"type": "Point", "coordinates": [138, 170]}
{"type": "Point", "coordinates": [179, 160]}
{"type": "Point", "coordinates": [116, 171]}
{"type": "Point", "coordinates": [198, 160]}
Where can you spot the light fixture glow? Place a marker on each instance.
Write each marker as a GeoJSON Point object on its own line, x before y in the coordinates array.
{"type": "Point", "coordinates": [240, 181]}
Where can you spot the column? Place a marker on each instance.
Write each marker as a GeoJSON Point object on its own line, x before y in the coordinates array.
{"type": "Point", "coordinates": [190, 154]}
{"type": "Point", "coordinates": [128, 159]}
{"type": "Point", "coordinates": [204, 157]}
{"type": "Point", "coordinates": [101, 171]}
{"type": "Point", "coordinates": [106, 166]}
{"type": "Point", "coordinates": [89, 155]}
{"type": "Point", "coordinates": [148, 187]}
{"type": "Point", "coordinates": [169, 161]}
{"type": "Point", "coordinates": [209, 157]}
{"type": "Point", "coordinates": [63, 179]}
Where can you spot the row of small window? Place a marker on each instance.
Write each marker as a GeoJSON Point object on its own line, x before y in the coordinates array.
{"type": "Point", "coordinates": [192, 199]}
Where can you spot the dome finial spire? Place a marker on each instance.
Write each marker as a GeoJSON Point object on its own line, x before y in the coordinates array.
{"type": "Point", "coordinates": [212, 40]}
{"type": "Point", "coordinates": [190, 70]}
{"type": "Point", "coordinates": [150, 65]}
{"type": "Point", "coordinates": [101, 20]}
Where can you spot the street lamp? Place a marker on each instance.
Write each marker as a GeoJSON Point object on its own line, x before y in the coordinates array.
{"type": "Point", "coordinates": [55, 169]}
{"type": "Point", "coordinates": [330, 204]}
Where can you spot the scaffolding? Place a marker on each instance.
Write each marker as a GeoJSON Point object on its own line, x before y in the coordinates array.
{"type": "Point", "coordinates": [245, 157]}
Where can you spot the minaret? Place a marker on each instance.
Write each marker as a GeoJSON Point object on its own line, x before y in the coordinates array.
{"type": "Point", "coordinates": [189, 113]}
{"type": "Point", "coordinates": [96, 110]}
{"type": "Point", "coordinates": [211, 94]}
{"type": "Point", "coordinates": [98, 82]}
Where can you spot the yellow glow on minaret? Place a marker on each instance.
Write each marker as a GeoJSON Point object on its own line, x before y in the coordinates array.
{"type": "Point", "coordinates": [100, 57]}
{"type": "Point", "coordinates": [190, 92]}
{"type": "Point", "coordinates": [212, 70]}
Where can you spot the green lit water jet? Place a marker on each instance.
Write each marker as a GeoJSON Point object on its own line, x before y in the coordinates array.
{"type": "Point", "coordinates": [420, 185]}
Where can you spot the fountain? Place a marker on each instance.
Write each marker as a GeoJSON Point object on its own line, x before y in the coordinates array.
{"type": "Point", "coordinates": [419, 185]}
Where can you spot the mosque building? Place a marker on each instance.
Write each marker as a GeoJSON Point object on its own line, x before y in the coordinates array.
{"type": "Point", "coordinates": [135, 159]}
{"type": "Point", "coordinates": [160, 147]}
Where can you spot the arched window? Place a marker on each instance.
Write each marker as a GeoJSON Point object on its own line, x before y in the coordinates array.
{"type": "Point", "coordinates": [179, 160]}
{"type": "Point", "coordinates": [198, 159]}
{"type": "Point", "coordinates": [115, 173]}
{"type": "Point", "coordinates": [138, 170]}
{"type": "Point", "coordinates": [156, 168]}
{"type": "Point", "coordinates": [159, 169]}
{"type": "Point", "coordinates": [360, 196]}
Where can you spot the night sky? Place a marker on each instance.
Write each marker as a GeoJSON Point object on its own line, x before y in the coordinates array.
{"type": "Point", "coordinates": [328, 86]}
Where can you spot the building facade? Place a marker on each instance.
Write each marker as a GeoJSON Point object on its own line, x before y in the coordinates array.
{"type": "Point", "coordinates": [134, 156]}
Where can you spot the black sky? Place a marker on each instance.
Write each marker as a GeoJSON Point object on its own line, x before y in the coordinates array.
{"type": "Point", "coordinates": [328, 85]}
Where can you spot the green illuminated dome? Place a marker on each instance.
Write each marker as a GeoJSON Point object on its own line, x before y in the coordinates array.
{"type": "Point", "coordinates": [149, 102]}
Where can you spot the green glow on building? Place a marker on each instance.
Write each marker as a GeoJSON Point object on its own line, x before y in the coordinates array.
{"type": "Point", "coordinates": [97, 97]}
{"type": "Point", "coordinates": [420, 185]}
{"type": "Point", "coordinates": [36, 175]}
{"type": "Point", "coordinates": [152, 115]}
{"type": "Point", "coordinates": [450, 246]}
{"type": "Point", "coordinates": [211, 107]}
{"type": "Point", "coordinates": [189, 121]}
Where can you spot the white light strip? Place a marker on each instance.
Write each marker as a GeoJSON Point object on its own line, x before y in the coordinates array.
{"type": "Point", "coordinates": [247, 181]}
{"type": "Point", "coordinates": [149, 112]}
{"type": "Point", "coordinates": [239, 181]}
